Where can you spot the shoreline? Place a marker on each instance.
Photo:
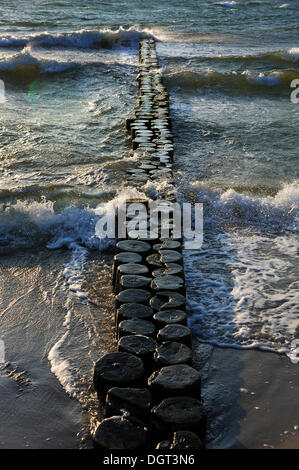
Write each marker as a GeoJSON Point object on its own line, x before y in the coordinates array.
{"type": "Point", "coordinates": [235, 382]}
{"type": "Point", "coordinates": [248, 395]}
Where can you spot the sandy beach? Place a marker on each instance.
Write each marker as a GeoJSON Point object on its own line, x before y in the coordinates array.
{"type": "Point", "coordinates": [248, 395]}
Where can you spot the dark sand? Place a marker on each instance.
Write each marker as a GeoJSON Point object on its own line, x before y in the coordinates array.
{"type": "Point", "coordinates": [39, 415]}
{"type": "Point", "coordinates": [36, 412]}
{"type": "Point", "coordinates": [252, 398]}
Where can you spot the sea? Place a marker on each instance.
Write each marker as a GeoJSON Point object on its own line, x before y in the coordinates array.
{"type": "Point", "coordinates": [67, 71]}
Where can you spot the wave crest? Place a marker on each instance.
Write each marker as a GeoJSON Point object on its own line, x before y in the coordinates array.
{"type": "Point", "coordinates": [24, 63]}
{"type": "Point", "coordinates": [280, 79]}
{"type": "Point", "coordinates": [83, 39]}
{"type": "Point", "coordinates": [35, 223]}
{"type": "Point", "coordinates": [276, 213]}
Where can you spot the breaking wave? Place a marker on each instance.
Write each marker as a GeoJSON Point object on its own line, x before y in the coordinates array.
{"type": "Point", "coordinates": [279, 57]}
{"type": "Point", "coordinates": [242, 82]}
{"type": "Point", "coordinates": [25, 63]}
{"type": "Point", "coordinates": [275, 213]}
{"type": "Point", "coordinates": [36, 223]}
{"type": "Point", "coordinates": [83, 39]}
{"type": "Point", "coordinates": [25, 223]}
{"type": "Point", "coordinates": [242, 288]}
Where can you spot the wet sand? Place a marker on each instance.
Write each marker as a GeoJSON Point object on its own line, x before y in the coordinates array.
{"type": "Point", "coordinates": [39, 415]}
{"type": "Point", "coordinates": [252, 398]}
{"type": "Point", "coordinates": [36, 412]}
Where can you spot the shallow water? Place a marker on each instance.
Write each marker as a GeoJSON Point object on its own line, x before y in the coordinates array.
{"type": "Point", "coordinates": [69, 74]}
{"type": "Point", "coordinates": [51, 332]}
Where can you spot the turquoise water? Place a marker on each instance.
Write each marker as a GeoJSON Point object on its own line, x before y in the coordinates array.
{"type": "Point", "coordinates": [69, 72]}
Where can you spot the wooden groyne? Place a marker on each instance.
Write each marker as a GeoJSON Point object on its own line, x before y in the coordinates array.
{"type": "Point", "coordinates": [150, 391]}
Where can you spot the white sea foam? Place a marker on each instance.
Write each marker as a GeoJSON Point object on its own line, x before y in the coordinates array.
{"type": "Point", "coordinates": [60, 363]}
{"type": "Point", "coordinates": [293, 53]}
{"type": "Point", "coordinates": [82, 39]}
{"type": "Point", "coordinates": [242, 291]}
{"type": "Point", "coordinates": [33, 223]}
{"type": "Point", "coordinates": [276, 213]}
{"type": "Point", "coordinates": [25, 223]}
{"type": "Point", "coordinates": [60, 366]}
{"type": "Point", "coordinates": [243, 286]}
{"type": "Point", "coordinates": [33, 47]}
{"type": "Point", "coordinates": [270, 79]}
{"type": "Point", "coordinates": [73, 271]}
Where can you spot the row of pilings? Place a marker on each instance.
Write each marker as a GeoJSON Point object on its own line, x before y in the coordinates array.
{"type": "Point", "coordinates": [149, 390]}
